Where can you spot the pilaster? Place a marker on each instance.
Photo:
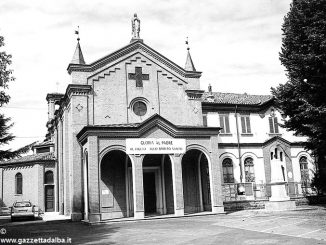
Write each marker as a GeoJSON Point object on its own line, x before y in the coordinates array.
{"type": "Point", "coordinates": [215, 178]}
{"type": "Point", "coordinates": [138, 188]}
{"type": "Point", "coordinates": [177, 185]}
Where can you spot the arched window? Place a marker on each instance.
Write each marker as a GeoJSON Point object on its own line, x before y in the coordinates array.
{"type": "Point", "coordinates": [48, 177]}
{"type": "Point", "coordinates": [227, 170]}
{"type": "Point", "coordinates": [19, 183]}
{"type": "Point", "coordinates": [303, 161]}
{"type": "Point", "coordinates": [249, 169]}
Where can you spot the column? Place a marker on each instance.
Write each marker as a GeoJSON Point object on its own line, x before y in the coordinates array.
{"type": "Point", "coordinates": [138, 188]}
{"type": "Point", "coordinates": [215, 176]}
{"type": "Point", "coordinates": [177, 185]}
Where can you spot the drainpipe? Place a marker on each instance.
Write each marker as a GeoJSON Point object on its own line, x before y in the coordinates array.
{"type": "Point", "coordinates": [238, 140]}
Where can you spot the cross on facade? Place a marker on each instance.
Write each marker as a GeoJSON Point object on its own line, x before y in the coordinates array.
{"type": "Point", "coordinates": [138, 76]}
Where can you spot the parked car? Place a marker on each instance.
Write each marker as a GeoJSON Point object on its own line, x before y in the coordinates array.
{"type": "Point", "coordinates": [23, 209]}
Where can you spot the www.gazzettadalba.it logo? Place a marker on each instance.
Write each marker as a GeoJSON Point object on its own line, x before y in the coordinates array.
{"type": "Point", "coordinates": [40, 240]}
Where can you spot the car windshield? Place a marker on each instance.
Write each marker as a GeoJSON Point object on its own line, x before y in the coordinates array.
{"type": "Point", "coordinates": [22, 204]}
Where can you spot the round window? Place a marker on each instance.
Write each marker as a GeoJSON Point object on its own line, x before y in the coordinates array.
{"type": "Point", "coordinates": [140, 108]}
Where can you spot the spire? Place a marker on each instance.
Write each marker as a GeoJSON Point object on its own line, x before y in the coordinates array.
{"type": "Point", "coordinates": [189, 64]}
{"type": "Point", "coordinates": [78, 57]}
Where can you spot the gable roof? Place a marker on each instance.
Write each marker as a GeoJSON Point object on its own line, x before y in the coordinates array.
{"type": "Point", "coordinates": [40, 157]}
{"type": "Point", "coordinates": [235, 99]}
{"type": "Point", "coordinates": [128, 49]}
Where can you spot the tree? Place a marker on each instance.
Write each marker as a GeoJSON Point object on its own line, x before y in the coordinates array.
{"type": "Point", "coordinates": [303, 97]}
{"type": "Point", "coordinates": [5, 125]}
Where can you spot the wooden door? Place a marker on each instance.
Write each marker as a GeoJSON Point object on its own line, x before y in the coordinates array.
{"type": "Point", "coordinates": [49, 198]}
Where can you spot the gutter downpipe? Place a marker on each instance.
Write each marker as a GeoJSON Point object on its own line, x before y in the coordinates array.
{"type": "Point", "coordinates": [238, 140]}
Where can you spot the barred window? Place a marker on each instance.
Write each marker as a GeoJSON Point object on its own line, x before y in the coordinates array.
{"type": "Point", "coordinates": [228, 170]}
{"type": "Point", "coordinates": [19, 183]}
{"type": "Point", "coordinates": [249, 169]}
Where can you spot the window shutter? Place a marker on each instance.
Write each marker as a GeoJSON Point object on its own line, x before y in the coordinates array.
{"type": "Point", "coordinates": [222, 124]}
{"type": "Point", "coordinates": [243, 125]}
{"type": "Point", "coordinates": [227, 126]}
{"type": "Point", "coordinates": [248, 124]}
{"type": "Point", "coordinates": [271, 128]}
{"type": "Point", "coordinates": [275, 125]}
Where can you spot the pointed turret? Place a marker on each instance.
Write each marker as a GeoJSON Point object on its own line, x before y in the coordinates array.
{"type": "Point", "coordinates": [78, 57]}
{"type": "Point", "coordinates": [189, 64]}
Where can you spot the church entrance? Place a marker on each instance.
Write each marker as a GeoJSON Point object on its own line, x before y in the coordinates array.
{"type": "Point", "coordinates": [149, 192]}
{"type": "Point", "coordinates": [157, 183]}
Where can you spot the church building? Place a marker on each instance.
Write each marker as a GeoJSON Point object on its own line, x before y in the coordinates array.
{"type": "Point", "coordinates": [135, 135]}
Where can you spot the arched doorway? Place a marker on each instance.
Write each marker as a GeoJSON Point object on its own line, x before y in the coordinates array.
{"type": "Point", "coordinates": [116, 185]}
{"type": "Point", "coordinates": [196, 182]}
{"type": "Point", "coordinates": [158, 185]}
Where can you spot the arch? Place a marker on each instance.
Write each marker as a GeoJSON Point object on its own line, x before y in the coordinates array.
{"type": "Point", "coordinates": [48, 177]}
{"type": "Point", "coordinates": [228, 155]}
{"type": "Point", "coordinates": [227, 167]}
{"type": "Point", "coordinates": [115, 183]}
{"type": "Point", "coordinates": [303, 153]}
{"type": "Point", "coordinates": [196, 176]}
{"type": "Point", "coordinates": [19, 183]}
{"type": "Point", "coordinates": [111, 148]}
{"type": "Point", "coordinates": [197, 147]}
{"type": "Point", "coordinates": [249, 154]}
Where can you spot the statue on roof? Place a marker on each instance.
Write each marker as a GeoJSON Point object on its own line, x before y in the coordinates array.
{"type": "Point", "coordinates": [135, 25]}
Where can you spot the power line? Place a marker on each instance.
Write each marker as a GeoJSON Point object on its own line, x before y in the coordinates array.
{"type": "Point", "coordinates": [24, 108]}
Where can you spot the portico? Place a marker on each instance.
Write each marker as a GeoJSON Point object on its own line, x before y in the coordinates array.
{"type": "Point", "coordinates": [120, 184]}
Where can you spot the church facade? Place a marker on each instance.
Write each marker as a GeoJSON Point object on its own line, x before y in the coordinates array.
{"type": "Point", "coordinates": [134, 135]}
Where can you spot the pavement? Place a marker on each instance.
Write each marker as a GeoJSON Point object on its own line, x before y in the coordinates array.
{"type": "Point", "coordinates": [305, 226]}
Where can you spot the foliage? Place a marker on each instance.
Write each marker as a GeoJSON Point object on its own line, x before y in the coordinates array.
{"type": "Point", "coordinates": [303, 97]}
{"type": "Point", "coordinates": [5, 125]}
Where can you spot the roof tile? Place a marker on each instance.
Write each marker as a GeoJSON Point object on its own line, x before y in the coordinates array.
{"type": "Point", "coordinates": [235, 99]}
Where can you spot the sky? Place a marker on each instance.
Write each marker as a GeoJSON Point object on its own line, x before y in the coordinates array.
{"type": "Point", "coordinates": [235, 44]}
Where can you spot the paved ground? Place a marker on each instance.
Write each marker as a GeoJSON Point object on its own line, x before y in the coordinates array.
{"type": "Point", "coordinates": [245, 227]}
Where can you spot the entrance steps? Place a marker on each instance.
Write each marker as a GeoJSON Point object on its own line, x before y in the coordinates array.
{"type": "Point", "coordinates": [53, 216]}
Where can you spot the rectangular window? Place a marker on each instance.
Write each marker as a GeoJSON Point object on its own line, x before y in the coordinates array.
{"type": "Point", "coordinates": [224, 123]}
{"type": "Point", "coordinates": [205, 120]}
{"type": "Point", "coordinates": [273, 125]}
{"type": "Point", "coordinates": [245, 124]}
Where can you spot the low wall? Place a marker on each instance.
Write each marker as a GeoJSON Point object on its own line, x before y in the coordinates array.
{"type": "Point", "coordinates": [244, 205]}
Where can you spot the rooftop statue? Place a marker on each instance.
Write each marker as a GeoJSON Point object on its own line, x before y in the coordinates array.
{"type": "Point", "coordinates": [135, 25]}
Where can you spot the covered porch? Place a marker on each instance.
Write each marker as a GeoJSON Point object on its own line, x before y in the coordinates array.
{"type": "Point", "coordinates": [122, 182]}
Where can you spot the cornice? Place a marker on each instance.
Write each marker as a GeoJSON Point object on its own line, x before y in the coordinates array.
{"type": "Point", "coordinates": [195, 94]}
{"type": "Point", "coordinates": [215, 107]}
{"type": "Point", "coordinates": [138, 131]}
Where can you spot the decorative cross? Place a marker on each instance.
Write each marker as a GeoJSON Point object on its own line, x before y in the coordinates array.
{"type": "Point", "coordinates": [138, 76]}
